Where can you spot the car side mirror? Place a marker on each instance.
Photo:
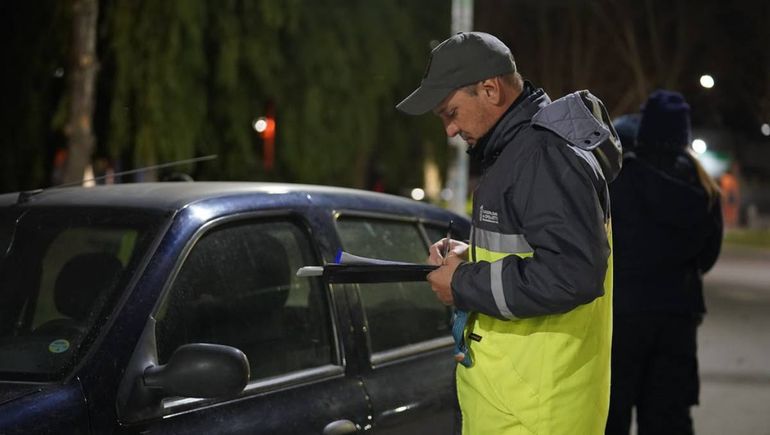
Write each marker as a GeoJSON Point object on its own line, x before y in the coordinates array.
{"type": "Point", "coordinates": [200, 370]}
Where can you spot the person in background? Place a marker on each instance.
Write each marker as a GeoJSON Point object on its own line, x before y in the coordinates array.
{"type": "Point", "coordinates": [667, 232]}
{"type": "Point", "coordinates": [535, 283]}
{"type": "Point", "coordinates": [627, 126]}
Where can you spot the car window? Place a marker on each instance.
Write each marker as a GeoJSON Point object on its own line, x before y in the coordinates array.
{"type": "Point", "coordinates": [382, 238]}
{"type": "Point", "coordinates": [238, 287]}
{"type": "Point", "coordinates": [79, 258]}
{"type": "Point", "coordinates": [397, 314]}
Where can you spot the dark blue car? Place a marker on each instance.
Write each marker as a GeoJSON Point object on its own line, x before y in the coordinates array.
{"type": "Point", "coordinates": [176, 308]}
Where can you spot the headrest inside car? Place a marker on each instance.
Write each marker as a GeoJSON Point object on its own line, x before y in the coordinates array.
{"type": "Point", "coordinates": [82, 279]}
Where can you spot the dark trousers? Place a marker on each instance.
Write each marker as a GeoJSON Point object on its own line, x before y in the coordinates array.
{"type": "Point", "coordinates": [655, 369]}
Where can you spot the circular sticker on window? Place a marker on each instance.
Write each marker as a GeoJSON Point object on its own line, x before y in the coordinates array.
{"type": "Point", "coordinates": [59, 346]}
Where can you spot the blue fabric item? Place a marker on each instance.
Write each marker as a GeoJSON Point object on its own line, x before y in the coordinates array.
{"type": "Point", "coordinates": [665, 121]}
{"type": "Point", "coordinates": [461, 353]}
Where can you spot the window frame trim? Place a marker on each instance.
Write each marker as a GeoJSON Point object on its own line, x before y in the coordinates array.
{"type": "Point", "coordinates": [386, 357]}
{"type": "Point", "coordinates": [173, 406]}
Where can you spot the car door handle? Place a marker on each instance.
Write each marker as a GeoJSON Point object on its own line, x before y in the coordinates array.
{"type": "Point", "coordinates": [340, 427]}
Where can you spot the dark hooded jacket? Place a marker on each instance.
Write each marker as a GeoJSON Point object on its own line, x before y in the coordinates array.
{"type": "Point", "coordinates": [667, 233]}
{"type": "Point", "coordinates": [538, 287]}
{"type": "Point", "coordinates": [541, 189]}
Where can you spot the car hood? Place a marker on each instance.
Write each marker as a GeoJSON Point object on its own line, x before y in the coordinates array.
{"type": "Point", "coordinates": [42, 408]}
{"type": "Point", "coordinates": [12, 391]}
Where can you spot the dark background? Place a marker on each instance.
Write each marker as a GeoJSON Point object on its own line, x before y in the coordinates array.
{"type": "Point", "coordinates": [180, 79]}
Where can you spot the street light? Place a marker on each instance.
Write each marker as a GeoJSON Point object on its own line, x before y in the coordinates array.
{"type": "Point", "coordinates": [260, 124]}
{"type": "Point", "coordinates": [265, 128]}
{"type": "Point", "coordinates": [699, 146]}
{"type": "Point", "coordinates": [765, 129]}
{"type": "Point", "coordinates": [418, 194]}
{"type": "Point", "coordinates": [707, 81]}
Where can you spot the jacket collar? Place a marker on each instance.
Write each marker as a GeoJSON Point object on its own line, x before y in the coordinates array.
{"type": "Point", "coordinates": [518, 115]}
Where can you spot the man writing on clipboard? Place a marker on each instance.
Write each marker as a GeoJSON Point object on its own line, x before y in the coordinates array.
{"type": "Point", "coordinates": [536, 278]}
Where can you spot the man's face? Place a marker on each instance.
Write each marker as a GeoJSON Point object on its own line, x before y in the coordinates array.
{"type": "Point", "coordinates": [468, 115]}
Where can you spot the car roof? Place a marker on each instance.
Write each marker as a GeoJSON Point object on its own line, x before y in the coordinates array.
{"type": "Point", "coordinates": [171, 196]}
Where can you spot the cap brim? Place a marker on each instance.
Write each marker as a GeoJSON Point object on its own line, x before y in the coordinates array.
{"type": "Point", "coordinates": [423, 100]}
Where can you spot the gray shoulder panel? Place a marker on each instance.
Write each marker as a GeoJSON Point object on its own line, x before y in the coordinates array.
{"type": "Point", "coordinates": [581, 119]}
{"type": "Point", "coordinates": [569, 118]}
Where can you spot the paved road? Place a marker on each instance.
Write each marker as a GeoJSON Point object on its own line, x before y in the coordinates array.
{"type": "Point", "coordinates": [734, 346]}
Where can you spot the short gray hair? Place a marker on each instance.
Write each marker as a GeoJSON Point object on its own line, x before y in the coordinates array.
{"type": "Point", "coordinates": [512, 79]}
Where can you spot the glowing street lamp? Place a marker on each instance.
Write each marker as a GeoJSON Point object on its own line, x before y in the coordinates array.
{"type": "Point", "coordinates": [707, 81]}
{"type": "Point", "coordinates": [265, 128]}
{"type": "Point", "coordinates": [699, 146]}
{"type": "Point", "coordinates": [418, 194]}
{"type": "Point", "coordinates": [260, 124]}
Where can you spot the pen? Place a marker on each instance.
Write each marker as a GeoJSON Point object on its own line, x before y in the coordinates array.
{"type": "Point", "coordinates": [447, 241]}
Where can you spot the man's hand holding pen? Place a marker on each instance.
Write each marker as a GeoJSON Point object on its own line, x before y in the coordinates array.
{"type": "Point", "coordinates": [448, 254]}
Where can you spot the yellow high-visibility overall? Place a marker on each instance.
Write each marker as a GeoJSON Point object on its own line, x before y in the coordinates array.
{"type": "Point", "coordinates": [545, 375]}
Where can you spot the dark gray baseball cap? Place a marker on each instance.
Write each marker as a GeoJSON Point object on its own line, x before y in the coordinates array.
{"type": "Point", "coordinates": [463, 59]}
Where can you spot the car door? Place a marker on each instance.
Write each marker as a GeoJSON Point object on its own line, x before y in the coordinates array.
{"type": "Point", "coordinates": [409, 371]}
{"type": "Point", "coordinates": [238, 287]}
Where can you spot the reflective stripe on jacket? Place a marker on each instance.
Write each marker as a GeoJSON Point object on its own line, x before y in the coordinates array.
{"type": "Point", "coordinates": [540, 375]}
{"type": "Point", "coordinates": [539, 284]}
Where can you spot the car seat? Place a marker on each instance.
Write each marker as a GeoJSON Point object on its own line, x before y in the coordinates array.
{"type": "Point", "coordinates": [81, 281]}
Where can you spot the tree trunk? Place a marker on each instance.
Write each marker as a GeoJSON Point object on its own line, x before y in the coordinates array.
{"type": "Point", "coordinates": [82, 80]}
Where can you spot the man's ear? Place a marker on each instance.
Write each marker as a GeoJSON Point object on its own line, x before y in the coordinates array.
{"type": "Point", "coordinates": [492, 90]}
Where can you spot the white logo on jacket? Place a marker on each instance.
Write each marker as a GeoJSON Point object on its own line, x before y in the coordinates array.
{"type": "Point", "coordinates": [487, 215]}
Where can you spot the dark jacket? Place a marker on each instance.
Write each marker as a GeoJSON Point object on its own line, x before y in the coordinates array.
{"type": "Point", "coordinates": [667, 233]}
{"type": "Point", "coordinates": [542, 198]}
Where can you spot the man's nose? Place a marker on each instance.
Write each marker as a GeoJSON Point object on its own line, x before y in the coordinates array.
{"type": "Point", "coordinates": [451, 129]}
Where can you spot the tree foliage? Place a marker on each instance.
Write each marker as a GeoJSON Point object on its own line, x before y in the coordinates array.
{"type": "Point", "coordinates": [190, 77]}
{"type": "Point", "coordinates": [180, 79]}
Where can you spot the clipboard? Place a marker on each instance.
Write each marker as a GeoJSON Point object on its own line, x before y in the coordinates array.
{"type": "Point", "coordinates": [368, 273]}
{"type": "Point", "coordinates": [353, 269]}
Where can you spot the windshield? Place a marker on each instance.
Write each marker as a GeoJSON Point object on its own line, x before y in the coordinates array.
{"type": "Point", "coordinates": [61, 272]}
